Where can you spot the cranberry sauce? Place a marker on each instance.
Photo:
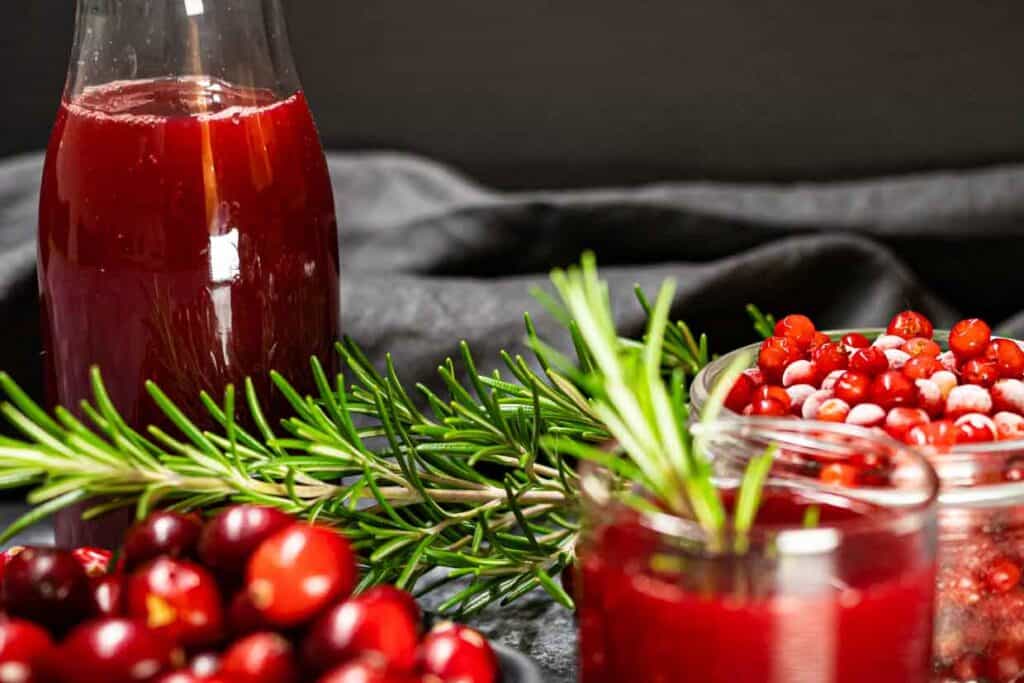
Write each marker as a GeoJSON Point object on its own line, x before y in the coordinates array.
{"type": "Point", "coordinates": [827, 607]}
{"type": "Point", "coordinates": [187, 236]}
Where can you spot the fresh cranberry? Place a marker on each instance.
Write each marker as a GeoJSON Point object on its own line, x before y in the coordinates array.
{"type": "Point", "coordinates": [162, 533]}
{"type": "Point", "coordinates": [899, 421]}
{"type": "Point", "coordinates": [1008, 394]}
{"type": "Point", "coordinates": [921, 367]}
{"type": "Point", "coordinates": [829, 358]}
{"type": "Point", "coordinates": [797, 327]}
{"type": "Point", "coordinates": [193, 677]}
{"type": "Point", "coordinates": [853, 387]}
{"type": "Point", "coordinates": [968, 398]}
{"type": "Point", "coordinates": [115, 651]}
{"type": "Point", "coordinates": [741, 393]}
{"type": "Point", "coordinates": [385, 594]}
{"type": "Point", "coordinates": [1008, 356]}
{"type": "Point", "coordinates": [230, 538]}
{"type": "Point", "coordinates": [204, 664]}
{"type": "Point", "coordinates": [298, 572]}
{"type": "Point", "coordinates": [95, 561]}
{"type": "Point", "coordinates": [800, 372]}
{"type": "Point", "coordinates": [892, 389]}
{"type": "Point", "coordinates": [47, 586]}
{"type": "Point", "coordinates": [261, 658]}
{"type": "Point", "coordinates": [839, 474]}
{"type": "Point", "coordinates": [1002, 575]}
{"type": "Point", "coordinates": [870, 361]}
{"type": "Point", "coordinates": [775, 354]}
{"type": "Point", "coordinates": [457, 653]}
{"type": "Point", "coordinates": [370, 668]}
{"type": "Point", "coordinates": [767, 407]}
{"type": "Point", "coordinates": [975, 428]}
{"type": "Point", "coordinates": [856, 340]}
{"type": "Point", "coordinates": [26, 652]}
{"type": "Point", "coordinates": [6, 556]}
{"type": "Point", "coordinates": [910, 324]}
{"type": "Point", "coordinates": [928, 396]}
{"type": "Point", "coordinates": [774, 393]}
{"type": "Point", "coordinates": [819, 339]}
{"type": "Point", "coordinates": [244, 618]}
{"type": "Point", "coordinates": [381, 624]}
{"type": "Point", "coordinates": [940, 435]}
{"type": "Point", "coordinates": [1009, 426]}
{"type": "Point", "coordinates": [981, 372]}
{"type": "Point", "coordinates": [833, 410]}
{"type": "Point", "coordinates": [1005, 662]}
{"type": "Point", "coordinates": [866, 415]}
{"type": "Point", "coordinates": [109, 595]}
{"type": "Point", "coordinates": [920, 346]}
{"type": "Point", "coordinates": [969, 338]}
{"type": "Point", "coordinates": [178, 599]}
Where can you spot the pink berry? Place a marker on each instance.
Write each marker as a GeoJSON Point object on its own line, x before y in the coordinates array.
{"type": "Point", "coordinates": [897, 358]}
{"type": "Point", "coordinates": [891, 389]}
{"type": "Point", "coordinates": [833, 410]}
{"type": "Point", "coordinates": [809, 411]}
{"type": "Point", "coordinates": [901, 420]}
{"type": "Point", "coordinates": [798, 393]}
{"type": "Point", "coordinates": [969, 338]}
{"type": "Point", "coordinates": [888, 341]}
{"type": "Point", "coordinates": [829, 383]}
{"type": "Point", "coordinates": [1009, 426]}
{"type": "Point", "coordinates": [948, 360]}
{"type": "Point", "coordinates": [910, 324]}
{"type": "Point", "coordinates": [946, 381]}
{"type": "Point", "coordinates": [968, 398]}
{"type": "Point", "coordinates": [800, 372]}
{"type": "Point", "coordinates": [1008, 394]}
{"type": "Point", "coordinates": [866, 415]}
{"type": "Point", "coordinates": [929, 397]}
{"type": "Point", "coordinates": [975, 428]}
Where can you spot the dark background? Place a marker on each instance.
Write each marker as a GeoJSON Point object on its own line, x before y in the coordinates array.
{"type": "Point", "coordinates": [543, 93]}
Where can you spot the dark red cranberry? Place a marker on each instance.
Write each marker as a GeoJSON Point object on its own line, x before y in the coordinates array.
{"type": "Point", "coordinates": [1005, 662]}
{"type": "Point", "coordinates": [1008, 356]}
{"type": "Point", "coordinates": [856, 340]}
{"type": "Point", "coordinates": [369, 668]}
{"type": "Point", "coordinates": [178, 599]}
{"type": "Point", "coordinates": [775, 354]}
{"type": "Point", "coordinates": [261, 658]}
{"type": "Point", "coordinates": [299, 571]}
{"type": "Point", "coordinates": [6, 556]}
{"type": "Point", "coordinates": [230, 538]}
{"type": "Point", "coordinates": [95, 561]}
{"type": "Point", "coordinates": [969, 338]}
{"type": "Point", "coordinates": [921, 367]}
{"type": "Point", "coordinates": [740, 394]}
{"type": "Point", "coordinates": [830, 357]}
{"type": "Point", "coordinates": [870, 361]}
{"type": "Point", "coordinates": [892, 389]}
{"type": "Point", "coordinates": [853, 387]}
{"type": "Point", "coordinates": [391, 594]}
{"type": "Point", "coordinates": [115, 651]}
{"type": "Point", "coordinates": [381, 624]}
{"type": "Point", "coordinates": [109, 595]}
{"type": "Point", "coordinates": [910, 324]}
{"type": "Point", "coordinates": [162, 533]}
{"type": "Point", "coordinates": [244, 618]}
{"type": "Point", "coordinates": [797, 327]}
{"type": "Point", "coordinates": [454, 652]}
{"type": "Point", "coordinates": [26, 652]}
{"type": "Point", "coordinates": [1002, 575]}
{"type": "Point", "coordinates": [47, 586]}
{"type": "Point", "coordinates": [981, 372]}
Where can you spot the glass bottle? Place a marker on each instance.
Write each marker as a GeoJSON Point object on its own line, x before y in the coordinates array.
{"type": "Point", "coordinates": [187, 232]}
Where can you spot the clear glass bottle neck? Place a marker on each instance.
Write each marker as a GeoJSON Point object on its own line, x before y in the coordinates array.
{"type": "Point", "coordinates": [240, 43]}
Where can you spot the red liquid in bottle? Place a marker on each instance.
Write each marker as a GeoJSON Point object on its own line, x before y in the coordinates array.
{"type": "Point", "coordinates": [862, 612]}
{"type": "Point", "coordinates": [187, 236]}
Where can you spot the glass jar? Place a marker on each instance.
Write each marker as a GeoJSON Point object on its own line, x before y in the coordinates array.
{"type": "Point", "coordinates": [979, 626]}
{"type": "Point", "coordinates": [187, 231]}
{"type": "Point", "coordinates": [843, 598]}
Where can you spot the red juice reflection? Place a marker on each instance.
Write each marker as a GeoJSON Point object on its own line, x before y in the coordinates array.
{"type": "Point", "coordinates": [187, 236]}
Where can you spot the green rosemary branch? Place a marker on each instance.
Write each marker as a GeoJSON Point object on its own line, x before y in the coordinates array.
{"type": "Point", "coordinates": [465, 484]}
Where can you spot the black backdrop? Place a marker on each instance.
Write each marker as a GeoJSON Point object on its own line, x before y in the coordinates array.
{"type": "Point", "coordinates": [542, 93]}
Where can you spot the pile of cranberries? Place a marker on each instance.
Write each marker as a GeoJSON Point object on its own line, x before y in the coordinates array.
{"type": "Point", "coordinates": [902, 382]}
{"type": "Point", "coordinates": [252, 596]}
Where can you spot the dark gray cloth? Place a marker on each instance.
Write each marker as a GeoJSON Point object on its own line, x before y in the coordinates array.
{"type": "Point", "coordinates": [430, 258]}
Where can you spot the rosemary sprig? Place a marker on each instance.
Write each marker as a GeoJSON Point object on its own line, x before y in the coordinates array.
{"type": "Point", "coordinates": [467, 484]}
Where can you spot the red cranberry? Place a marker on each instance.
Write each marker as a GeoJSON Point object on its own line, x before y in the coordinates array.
{"type": "Point", "coordinates": [969, 338]}
{"type": "Point", "coordinates": [6, 556]}
{"type": "Point", "coordinates": [454, 652]}
{"type": "Point", "coordinates": [899, 421]}
{"type": "Point", "coordinates": [839, 474]}
{"type": "Point", "coordinates": [921, 367]}
{"type": "Point", "coordinates": [981, 372]}
{"type": "Point", "coordinates": [162, 533]}
{"type": "Point", "coordinates": [968, 398]}
{"type": "Point", "coordinates": [741, 394]}
{"type": "Point", "coordinates": [178, 599]}
{"type": "Point", "coordinates": [47, 586]}
{"type": "Point", "coordinates": [920, 346]}
{"type": "Point", "coordinates": [975, 428]}
{"type": "Point", "coordinates": [775, 354]}
{"type": "Point", "coordinates": [95, 561]}
{"type": "Point", "coordinates": [1005, 662]}
{"type": "Point", "coordinates": [391, 595]}
{"type": "Point", "coordinates": [819, 339]}
{"type": "Point", "coordinates": [205, 664]}
{"type": "Point", "coordinates": [115, 651]}
{"type": "Point", "coordinates": [774, 393]}
{"type": "Point", "coordinates": [910, 324]}
{"type": "Point", "coordinates": [829, 358]}
{"type": "Point", "coordinates": [244, 618]}
{"type": "Point", "coordinates": [767, 407]}
{"type": "Point", "coordinates": [26, 652]}
{"type": "Point", "coordinates": [298, 572]}
{"type": "Point", "coordinates": [368, 668]}
{"type": "Point", "coordinates": [797, 327]}
{"type": "Point", "coordinates": [856, 340]}
{"type": "Point", "coordinates": [833, 410]}
{"type": "Point", "coordinates": [853, 387]}
{"type": "Point", "coordinates": [380, 624]}
{"type": "Point", "coordinates": [871, 361]}
{"type": "Point", "coordinates": [940, 435]}
{"type": "Point", "coordinates": [109, 595]}
{"type": "Point", "coordinates": [261, 658]}
{"type": "Point", "coordinates": [892, 389]}
{"type": "Point", "coordinates": [193, 677]}
{"type": "Point", "coordinates": [1008, 356]}
{"type": "Point", "coordinates": [1002, 575]}
{"type": "Point", "coordinates": [229, 539]}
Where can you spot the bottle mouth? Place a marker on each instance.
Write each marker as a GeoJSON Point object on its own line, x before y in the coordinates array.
{"type": "Point", "coordinates": [904, 504]}
{"type": "Point", "coordinates": [970, 475]}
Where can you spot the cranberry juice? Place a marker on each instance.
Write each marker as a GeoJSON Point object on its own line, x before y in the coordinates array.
{"type": "Point", "coordinates": [824, 609]}
{"type": "Point", "coordinates": [187, 236]}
